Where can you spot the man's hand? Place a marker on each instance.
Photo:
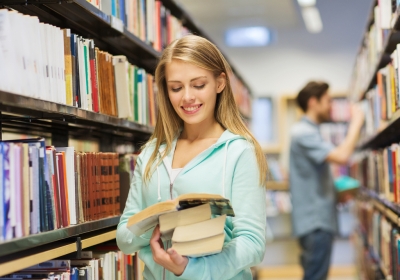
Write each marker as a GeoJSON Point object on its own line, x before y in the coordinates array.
{"type": "Point", "coordinates": [169, 259]}
{"type": "Point", "coordinates": [357, 115]}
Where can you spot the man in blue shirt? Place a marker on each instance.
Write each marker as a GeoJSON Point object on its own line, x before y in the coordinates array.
{"type": "Point", "coordinates": [311, 183]}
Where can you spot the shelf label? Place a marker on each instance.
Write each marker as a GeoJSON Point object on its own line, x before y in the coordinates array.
{"type": "Point", "coordinates": [117, 24]}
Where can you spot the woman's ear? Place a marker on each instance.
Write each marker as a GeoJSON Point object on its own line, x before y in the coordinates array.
{"type": "Point", "coordinates": [221, 82]}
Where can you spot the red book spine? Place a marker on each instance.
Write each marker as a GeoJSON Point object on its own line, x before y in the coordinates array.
{"type": "Point", "coordinates": [93, 76]}
{"type": "Point", "coordinates": [64, 209]}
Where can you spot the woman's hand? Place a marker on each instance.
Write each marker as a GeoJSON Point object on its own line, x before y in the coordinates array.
{"type": "Point", "coordinates": [169, 259]}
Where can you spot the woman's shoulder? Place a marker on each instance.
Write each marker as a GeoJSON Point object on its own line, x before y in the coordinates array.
{"type": "Point", "coordinates": [148, 149]}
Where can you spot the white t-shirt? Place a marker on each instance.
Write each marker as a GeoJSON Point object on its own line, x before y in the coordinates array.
{"type": "Point", "coordinates": [174, 173]}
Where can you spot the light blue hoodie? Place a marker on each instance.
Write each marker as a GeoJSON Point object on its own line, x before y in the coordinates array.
{"type": "Point", "coordinates": [229, 167]}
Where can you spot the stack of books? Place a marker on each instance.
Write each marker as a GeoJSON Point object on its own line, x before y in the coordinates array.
{"type": "Point", "coordinates": [189, 221]}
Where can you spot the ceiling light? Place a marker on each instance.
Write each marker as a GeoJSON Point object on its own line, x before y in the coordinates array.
{"type": "Point", "coordinates": [312, 19]}
{"type": "Point", "coordinates": [255, 36]}
{"type": "Point", "coordinates": [307, 3]}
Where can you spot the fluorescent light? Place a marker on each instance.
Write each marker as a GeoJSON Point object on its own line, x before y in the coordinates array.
{"type": "Point", "coordinates": [255, 36]}
{"type": "Point", "coordinates": [307, 3]}
{"type": "Point", "coordinates": [312, 19]}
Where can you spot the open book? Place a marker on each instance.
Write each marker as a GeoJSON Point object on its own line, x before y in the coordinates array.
{"type": "Point", "coordinates": [148, 218]}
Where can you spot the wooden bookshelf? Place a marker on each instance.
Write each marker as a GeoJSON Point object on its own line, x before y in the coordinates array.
{"type": "Point", "coordinates": [32, 241]}
{"type": "Point", "coordinates": [30, 109]}
{"type": "Point", "coordinates": [389, 45]}
{"type": "Point", "coordinates": [86, 20]}
{"type": "Point", "coordinates": [13, 265]}
{"type": "Point", "coordinates": [386, 136]}
{"type": "Point", "coordinates": [272, 149]}
{"type": "Point", "coordinates": [277, 186]}
{"type": "Point", "coordinates": [387, 208]}
{"type": "Point", "coordinates": [17, 263]}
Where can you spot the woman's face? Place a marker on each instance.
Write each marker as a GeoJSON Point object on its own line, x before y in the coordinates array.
{"type": "Point", "coordinates": [192, 91]}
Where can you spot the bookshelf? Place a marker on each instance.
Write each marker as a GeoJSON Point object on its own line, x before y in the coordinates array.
{"type": "Point", "coordinates": [58, 122]}
{"type": "Point", "coordinates": [390, 40]}
{"type": "Point", "coordinates": [277, 186]}
{"type": "Point", "coordinates": [73, 243]}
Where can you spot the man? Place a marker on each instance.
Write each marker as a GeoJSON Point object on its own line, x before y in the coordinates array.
{"type": "Point", "coordinates": [311, 183]}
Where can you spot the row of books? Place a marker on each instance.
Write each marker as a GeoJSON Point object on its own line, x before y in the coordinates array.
{"type": "Point", "coordinates": [340, 110]}
{"type": "Point", "coordinates": [44, 188]}
{"type": "Point", "coordinates": [385, 15]}
{"type": "Point", "coordinates": [276, 170]}
{"type": "Point", "coordinates": [380, 238]}
{"type": "Point", "coordinates": [53, 64]}
{"type": "Point", "coordinates": [241, 94]}
{"type": "Point", "coordinates": [93, 265]}
{"type": "Point", "coordinates": [278, 203]}
{"type": "Point", "coordinates": [379, 171]}
{"type": "Point", "coordinates": [149, 20]}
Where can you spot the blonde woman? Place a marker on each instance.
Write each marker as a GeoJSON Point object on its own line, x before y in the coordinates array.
{"type": "Point", "coordinates": [199, 144]}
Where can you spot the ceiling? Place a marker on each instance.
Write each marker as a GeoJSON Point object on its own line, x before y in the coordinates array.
{"type": "Point", "coordinates": [296, 55]}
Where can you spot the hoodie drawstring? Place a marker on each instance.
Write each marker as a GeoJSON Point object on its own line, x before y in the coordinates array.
{"type": "Point", "coordinates": [158, 188]}
{"type": "Point", "coordinates": [224, 170]}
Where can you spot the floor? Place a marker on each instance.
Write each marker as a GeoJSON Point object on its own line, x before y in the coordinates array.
{"type": "Point", "coordinates": [281, 261]}
{"type": "Point", "coordinates": [293, 272]}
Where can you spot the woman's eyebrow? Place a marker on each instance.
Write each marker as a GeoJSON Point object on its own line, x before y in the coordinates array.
{"type": "Point", "coordinates": [190, 80]}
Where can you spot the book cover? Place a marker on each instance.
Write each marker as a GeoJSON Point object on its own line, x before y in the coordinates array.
{"type": "Point", "coordinates": [148, 218]}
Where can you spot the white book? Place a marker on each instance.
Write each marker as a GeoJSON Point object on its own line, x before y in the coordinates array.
{"type": "Point", "coordinates": [378, 26]}
{"type": "Point", "coordinates": [140, 96]}
{"type": "Point", "coordinates": [17, 84]}
{"type": "Point", "coordinates": [121, 67]}
{"type": "Point", "coordinates": [72, 196]}
{"type": "Point", "coordinates": [150, 11]}
{"type": "Point", "coordinates": [50, 63]}
{"type": "Point", "coordinates": [37, 55]}
{"type": "Point", "coordinates": [44, 93]}
{"type": "Point", "coordinates": [144, 103]}
{"type": "Point", "coordinates": [386, 13]}
{"type": "Point", "coordinates": [106, 6]}
{"type": "Point", "coordinates": [82, 78]}
{"type": "Point", "coordinates": [61, 69]}
{"type": "Point", "coordinates": [29, 56]}
{"type": "Point", "coordinates": [398, 69]}
{"type": "Point", "coordinates": [7, 69]}
{"type": "Point", "coordinates": [86, 50]}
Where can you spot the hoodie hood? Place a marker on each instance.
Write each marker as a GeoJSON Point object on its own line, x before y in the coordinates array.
{"type": "Point", "coordinates": [224, 140]}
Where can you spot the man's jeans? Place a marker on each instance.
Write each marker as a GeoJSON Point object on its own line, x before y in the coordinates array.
{"type": "Point", "coordinates": [316, 254]}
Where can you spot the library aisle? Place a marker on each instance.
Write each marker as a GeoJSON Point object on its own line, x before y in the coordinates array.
{"type": "Point", "coordinates": [317, 82]}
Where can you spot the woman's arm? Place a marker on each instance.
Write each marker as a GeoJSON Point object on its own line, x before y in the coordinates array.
{"type": "Point", "coordinates": [126, 240]}
{"type": "Point", "coordinates": [247, 247]}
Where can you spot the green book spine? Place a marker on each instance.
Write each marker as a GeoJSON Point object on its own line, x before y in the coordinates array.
{"type": "Point", "coordinates": [136, 100]}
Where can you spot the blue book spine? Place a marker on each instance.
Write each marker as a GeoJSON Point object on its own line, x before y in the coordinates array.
{"type": "Point", "coordinates": [74, 273]}
{"type": "Point", "coordinates": [7, 230]}
{"type": "Point", "coordinates": [1, 193]}
{"type": "Point", "coordinates": [122, 15]}
{"type": "Point", "coordinates": [114, 8]}
{"type": "Point", "coordinates": [390, 171]}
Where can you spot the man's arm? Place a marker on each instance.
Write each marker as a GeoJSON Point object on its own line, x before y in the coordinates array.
{"type": "Point", "coordinates": [341, 154]}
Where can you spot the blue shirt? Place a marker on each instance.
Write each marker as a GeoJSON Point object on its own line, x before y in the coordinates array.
{"type": "Point", "coordinates": [311, 183]}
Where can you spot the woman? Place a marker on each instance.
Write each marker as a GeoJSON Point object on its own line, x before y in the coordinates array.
{"type": "Point", "coordinates": [199, 144]}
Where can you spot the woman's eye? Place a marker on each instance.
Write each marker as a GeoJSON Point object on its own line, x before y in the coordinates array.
{"type": "Point", "coordinates": [176, 89]}
{"type": "Point", "coordinates": [199, 87]}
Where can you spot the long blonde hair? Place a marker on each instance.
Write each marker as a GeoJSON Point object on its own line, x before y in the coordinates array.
{"type": "Point", "coordinates": [204, 54]}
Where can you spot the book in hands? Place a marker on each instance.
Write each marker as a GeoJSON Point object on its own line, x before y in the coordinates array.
{"type": "Point", "coordinates": [200, 239]}
{"type": "Point", "coordinates": [148, 218]}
